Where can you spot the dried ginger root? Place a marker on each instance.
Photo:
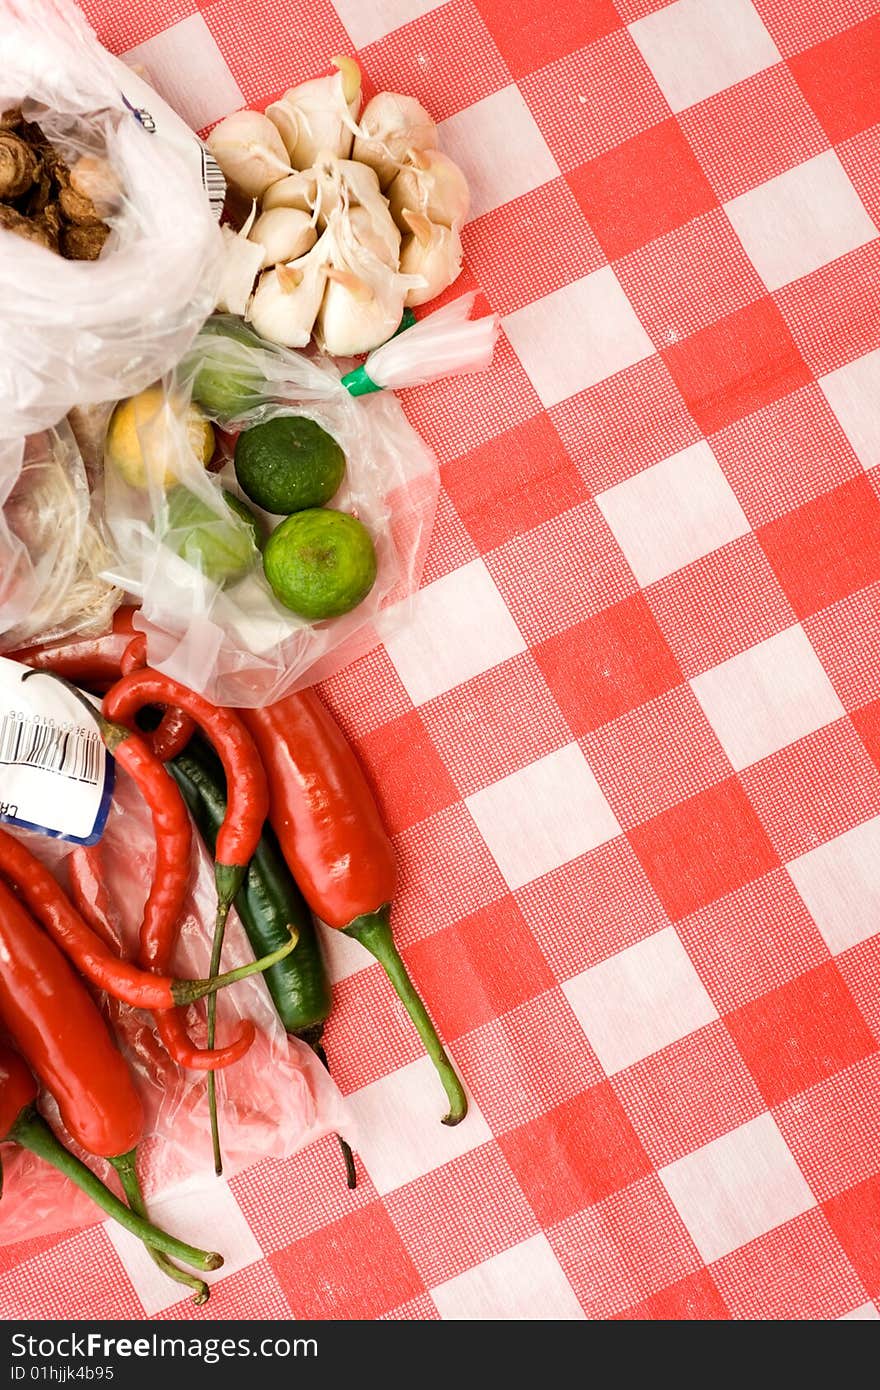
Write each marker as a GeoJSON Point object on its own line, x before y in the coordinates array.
{"type": "Point", "coordinates": [44, 201]}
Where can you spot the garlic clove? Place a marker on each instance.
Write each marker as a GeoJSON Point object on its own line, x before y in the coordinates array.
{"type": "Point", "coordinates": [318, 116]}
{"type": "Point", "coordinates": [250, 152]}
{"type": "Point", "coordinates": [356, 287]}
{"type": "Point", "coordinates": [376, 231]}
{"type": "Point", "coordinates": [432, 251]}
{"type": "Point", "coordinates": [431, 184]}
{"type": "Point", "coordinates": [286, 301]}
{"type": "Point", "coordinates": [350, 323]}
{"type": "Point", "coordinates": [391, 126]}
{"type": "Point", "coordinates": [297, 190]}
{"type": "Point", "coordinates": [284, 234]}
{"type": "Point", "coordinates": [242, 261]}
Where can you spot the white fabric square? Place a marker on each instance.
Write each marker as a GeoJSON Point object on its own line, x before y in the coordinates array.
{"type": "Point", "coordinates": [543, 815]}
{"type": "Point", "coordinates": [578, 335]}
{"type": "Point", "coordinates": [640, 1000]}
{"type": "Point", "coordinates": [523, 1284]}
{"type": "Point", "coordinates": [840, 884]}
{"type": "Point", "coordinates": [400, 1136]}
{"type": "Point", "coordinates": [736, 1188]}
{"type": "Point", "coordinates": [767, 697]}
{"type": "Point", "coordinates": [369, 20]}
{"type": "Point", "coordinates": [188, 70]}
{"type": "Point", "coordinates": [800, 220]}
{"type": "Point", "coordinates": [865, 1313]}
{"type": "Point", "coordinates": [498, 144]}
{"type": "Point", "coordinates": [853, 392]}
{"type": "Point", "coordinates": [696, 48]}
{"type": "Point", "coordinates": [460, 626]}
{"type": "Point", "coordinates": [201, 1211]}
{"type": "Point", "coordinates": [669, 515]}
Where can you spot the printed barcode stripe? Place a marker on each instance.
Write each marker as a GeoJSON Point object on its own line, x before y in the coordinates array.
{"type": "Point", "coordinates": [35, 742]}
{"type": "Point", "coordinates": [214, 182]}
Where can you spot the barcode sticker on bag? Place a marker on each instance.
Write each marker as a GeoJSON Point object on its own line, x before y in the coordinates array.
{"type": "Point", "coordinates": [56, 775]}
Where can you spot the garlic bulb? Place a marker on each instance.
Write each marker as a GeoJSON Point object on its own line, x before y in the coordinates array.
{"type": "Point", "coordinates": [284, 234]}
{"type": "Point", "coordinates": [431, 251]}
{"type": "Point", "coordinates": [430, 183]}
{"type": "Point", "coordinates": [391, 126]}
{"type": "Point", "coordinates": [352, 318]}
{"type": "Point", "coordinates": [298, 190]}
{"type": "Point", "coordinates": [286, 301]}
{"type": "Point", "coordinates": [317, 117]}
{"type": "Point", "coordinates": [250, 152]}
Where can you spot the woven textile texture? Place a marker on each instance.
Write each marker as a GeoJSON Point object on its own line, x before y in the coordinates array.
{"type": "Point", "coordinates": [630, 748]}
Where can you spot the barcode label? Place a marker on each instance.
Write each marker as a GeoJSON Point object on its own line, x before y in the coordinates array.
{"type": "Point", "coordinates": [215, 183]}
{"type": "Point", "coordinates": [62, 748]}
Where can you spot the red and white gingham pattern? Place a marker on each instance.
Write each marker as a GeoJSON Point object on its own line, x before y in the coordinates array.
{"type": "Point", "coordinates": [630, 750]}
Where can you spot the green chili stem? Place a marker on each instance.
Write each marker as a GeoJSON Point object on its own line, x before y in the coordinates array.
{"type": "Point", "coordinates": [125, 1168]}
{"type": "Point", "coordinates": [216, 952]}
{"type": "Point", "coordinates": [31, 1132]}
{"type": "Point", "coordinates": [188, 991]}
{"type": "Point", "coordinates": [345, 1148]}
{"type": "Point", "coordinates": [373, 931]}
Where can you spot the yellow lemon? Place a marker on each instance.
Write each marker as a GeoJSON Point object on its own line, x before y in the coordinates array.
{"type": "Point", "coordinates": [148, 434]}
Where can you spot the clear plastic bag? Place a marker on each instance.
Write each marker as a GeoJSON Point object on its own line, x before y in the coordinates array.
{"type": "Point", "coordinates": [276, 1100]}
{"type": "Point", "coordinates": [236, 643]}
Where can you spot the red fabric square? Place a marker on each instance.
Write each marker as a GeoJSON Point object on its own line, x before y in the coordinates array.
{"type": "Point", "coordinates": [445, 872]}
{"type": "Point", "coordinates": [406, 774]}
{"type": "Point", "coordinates": [576, 1154]}
{"type": "Point", "coordinates": [847, 1107]}
{"type": "Point", "coordinates": [253, 1293]}
{"type": "Point", "coordinates": [758, 451]}
{"type": "Point", "coordinates": [688, 1094]}
{"type": "Point", "coordinates": [737, 365]}
{"type": "Point", "coordinates": [591, 908]}
{"type": "Point", "coordinates": [121, 29]}
{"type": "Point", "coordinates": [797, 1271]}
{"type": "Point", "coordinates": [592, 99]}
{"type": "Point", "coordinates": [352, 1270]}
{"type": "Point", "coordinates": [854, 1217]}
{"type": "Point", "coordinates": [479, 968]}
{"type": "Point", "coordinates": [703, 848]}
{"type": "Point", "coordinates": [366, 694]}
{"type": "Point", "coordinates": [495, 724]}
{"type": "Point", "coordinates": [860, 968]}
{"type": "Point", "coordinates": [624, 424]}
{"type": "Point", "coordinates": [867, 724]}
{"type": "Point", "coordinates": [513, 482]}
{"type": "Point", "coordinates": [530, 247]}
{"type": "Point", "coordinates": [841, 79]}
{"type": "Point", "coordinates": [461, 1214]}
{"type": "Point", "coordinates": [689, 278]}
{"type": "Point", "coordinates": [641, 189]}
{"type": "Point", "coordinates": [266, 57]}
{"type": "Point", "coordinates": [451, 545]}
{"type": "Point", "coordinates": [695, 1298]}
{"type": "Point", "coordinates": [552, 576]}
{"type": "Point", "coordinates": [814, 789]}
{"type": "Point", "coordinates": [608, 664]}
{"type": "Point", "coordinates": [313, 1174]}
{"type": "Point", "coordinates": [795, 27]}
{"type": "Point", "coordinates": [722, 604]}
{"type": "Point", "coordinates": [753, 131]}
{"type": "Point", "coordinates": [365, 1005]}
{"type": "Point", "coordinates": [530, 36]}
{"type": "Point", "coordinates": [752, 940]}
{"type": "Point", "coordinates": [827, 548]}
{"type": "Point", "coordinates": [446, 59]}
{"type": "Point", "coordinates": [655, 756]}
{"type": "Point", "coordinates": [533, 1059]}
{"type": "Point", "coordinates": [800, 1033]}
{"type": "Point", "coordinates": [65, 1276]}
{"type": "Point", "coordinates": [834, 313]}
{"type": "Point", "coordinates": [846, 637]}
{"type": "Point", "coordinates": [624, 1248]}
{"type": "Point", "coordinates": [860, 157]}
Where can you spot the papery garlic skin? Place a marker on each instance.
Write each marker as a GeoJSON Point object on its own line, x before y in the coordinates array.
{"type": "Point", "coordinates": [286, 302]}
{"type": "Point", "coordinates": [375, 230]}
{"type": "Point", "coordinates": [318, 117]}
{"type": "Point", "coordinates": [392, 125]}
{"type": "Point", "coordinates": [242, 261]}
{"type": "Point", "coordinates": [250, 152]}
{"type": "Point", "coordinates": [432, 184]}
{"type": "Point", "coordinates": [435, 253]}
{"type": "Point", "coordinates": [297, 190]}
{"type": "Point", "coordinates": [284, 234]}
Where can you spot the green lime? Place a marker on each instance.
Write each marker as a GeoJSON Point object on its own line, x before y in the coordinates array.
{"type": "Point", "coordinates": [225, 388]}
{"type": "Point", "coordinates": [320, 563]}
{"type": "Point", "coordinates": [222, 550]}
{"type": "Point", "coordinates": [288, 464]}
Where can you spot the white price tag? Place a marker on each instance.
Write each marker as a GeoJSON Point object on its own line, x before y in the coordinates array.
{"type": "Point", "coordinates": [56, 775]}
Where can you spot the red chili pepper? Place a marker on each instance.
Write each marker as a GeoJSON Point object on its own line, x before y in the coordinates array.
{"type": "Point", "coordinates": [331, 834]}
{"type": "Point", "coordinates": [56, 1025]}
{"type": "Point", "coordinates": [21, 1124]}
{"type": "Point", "coordinates": [88, 891]}
{"type": "Point", "coordinates": [246, 811]}
{"type": "Point", "coordinates": [176, 728]}
{"type": "Point", "coordinates": [84, 660]}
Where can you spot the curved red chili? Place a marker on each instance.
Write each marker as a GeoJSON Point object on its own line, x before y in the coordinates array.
{"type": "Point", "coordinates": [176, 727]}
{"type": "Point", "coordinates": [88, 891]}
{"type": "Point", "coordinates": [84, 660]}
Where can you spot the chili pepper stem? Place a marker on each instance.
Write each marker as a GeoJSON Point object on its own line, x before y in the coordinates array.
{"type": "Point", "coordinates": [216, 952]}
{"type": "Point", "coordinates": [188, 991]}
{"type": "Point", "coordinates": [373, 931]}
{"type": "Point", "coordinates": [127, 1173]}
{"type": "Point", "coordinates": [313, 1039]}
{"type": "Point", "coordinates": [31, 1132]}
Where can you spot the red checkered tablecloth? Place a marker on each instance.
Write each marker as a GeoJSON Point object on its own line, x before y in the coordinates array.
{"type": "Point", "coordinates": [630, 747]}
